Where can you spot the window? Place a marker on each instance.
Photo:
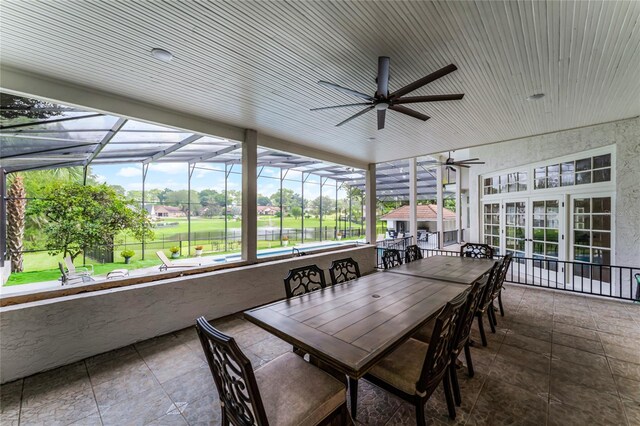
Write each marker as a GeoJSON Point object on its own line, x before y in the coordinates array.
{"type": "Point", "coordinates": [512, 182]}
{"type": "Point", "coordinates": [579, 172]}
{"type": "Point", "coordinates": [592, 230]}
{"type": "Point", "coordinates": [492, 226]}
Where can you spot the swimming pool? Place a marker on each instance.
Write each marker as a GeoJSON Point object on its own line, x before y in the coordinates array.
{"type": "Point", "coordinates": [275, 252]}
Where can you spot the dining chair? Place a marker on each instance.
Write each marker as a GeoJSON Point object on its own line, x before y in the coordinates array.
{"type": "Point", "coordinates": [287, 391]}
{"type": "Point", "coordinates": [391, 258]}
{"type": "Point", "coordinates": [415, 369]}
{"type": "Point", "coordinates": [497, 291]}
{"type": "Point", "coordinates": [412, 253]}
{"type": "Point", "coordinates": [303, 280]}
{"type": "Point", "coordinates": [342, 270]}
{"type": "Point", "coordinates": [486, 306]}
{"type": "Point", "coordinates": [463, 336]}
{"type": "Point", "coordinates": [477, 251]}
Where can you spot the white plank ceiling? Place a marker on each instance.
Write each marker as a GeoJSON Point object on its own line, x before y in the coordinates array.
{"type": "Point", "coordinates": [256, 64]}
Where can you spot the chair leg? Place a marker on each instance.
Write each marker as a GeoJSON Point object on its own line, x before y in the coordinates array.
{"type": "Point", "coordinates": [500, 304]}
{"type": "Point", "coordinates": [446, 382]}
{"type": "Point", "coordinates": [420, 421]}
{"type": "Point", "coordinates": [353, 392]}
{"type": "Point", "coordinates": [454, 384]}
{"type": "Point", "coordinates": [467, 355]}
{"type": "Point", "coordinates": [481, 329]}
{"type": "Point", "coordinates": [490, 315]}
{"type": "Point", "coordinates": [493, 315]}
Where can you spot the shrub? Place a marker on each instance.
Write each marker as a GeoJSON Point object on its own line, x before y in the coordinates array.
{"type": "Point", "coordinates": [127, 253]}
{"type": "Point", "coordinates": [174, 249]}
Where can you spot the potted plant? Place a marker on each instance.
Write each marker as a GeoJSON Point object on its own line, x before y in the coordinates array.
{"type": "Point", "coordinates": [175, 252]}
{"type": "Point", "coordinates": [127, 254]}
{"type": "Point", "coordinates": [285, 240]}
{"type": "Point", "coordinates": [199, 250]}
{"type": "Point", "coordinates": [339, 235]}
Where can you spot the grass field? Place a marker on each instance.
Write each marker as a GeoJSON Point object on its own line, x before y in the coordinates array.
{"type": "Point", "coordinates": [40, 266]}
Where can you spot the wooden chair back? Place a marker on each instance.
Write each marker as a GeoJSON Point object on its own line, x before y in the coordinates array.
{"type": "Point", "coordinates": [304, 280]}
{"type": "Point", "coordinates": [412, 253]}
{"type": "Point", "coordinates": [342, 270]}
{"type": "Point", "coordinates": [441, 344]}
{"type": "Point", "coordinates": [391, 258]}
{"type": "Point", "coordinates": [233, 376]}
{"type": "Point", "coordinates": [476, 250]}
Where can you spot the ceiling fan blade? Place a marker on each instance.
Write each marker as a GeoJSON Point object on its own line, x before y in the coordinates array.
{"type": "Point", "coordinates": [339, 106]}
{"type": "Point", "coordinates": [431, 98]}
{"type": "Point", "coordinates": [424, 80]}
{"type": "Point", "coordinates": [381, 117]}
{"type": "Point", "coordinates": [462, 165]}
{"type": "Point", "coordinates": [470, 162]}
{"type": "Point", "coordinates": [383, 77]}
{"type": "Point", "coordinates": [410, 112]}
{"type": "Point", "coordinates": [430, 162]}
{"type": "Point", "coordinates": [356, 115]}
{"type": "Point", "coordinates": [345, 90]}
{"type": "Point", "coordinates": [468, 159]}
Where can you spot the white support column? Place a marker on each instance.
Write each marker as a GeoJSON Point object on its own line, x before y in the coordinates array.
{"type": "Point", "coordinates": [370, 204]}
{"type": "Point", "coordinates": [440, 202]}
{"type": "Point", "coordinates": [459, 204]}
{"type": "Point", "coordinates": [413, 199]}
{"type": "Point", "coordinates": [249, 196]}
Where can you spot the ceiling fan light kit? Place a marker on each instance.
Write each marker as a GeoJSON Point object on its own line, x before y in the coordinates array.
{"type": "Point", "coordinates": [382, 100]}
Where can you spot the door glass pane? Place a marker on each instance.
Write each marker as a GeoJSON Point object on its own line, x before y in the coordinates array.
{"type": "Point", "coordinates": [515, 228]}
{"type": "Point", "coordinates": [591, 232]}
{"type": "Point", "coordinates": [602, 205]}
{"type": "Point", "coordinates": [602, 222]}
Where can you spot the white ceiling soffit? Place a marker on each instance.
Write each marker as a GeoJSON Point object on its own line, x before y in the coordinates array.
{"type": "Point", "coordinates": [256, 64]}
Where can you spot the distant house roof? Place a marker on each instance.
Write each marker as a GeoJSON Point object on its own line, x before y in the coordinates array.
{"type": "Point", "coordinates": [167, 209]}
{"type": "Point", "coordinates": [262, 209]}
{"type": "Point", "coordinates": [425, 212]}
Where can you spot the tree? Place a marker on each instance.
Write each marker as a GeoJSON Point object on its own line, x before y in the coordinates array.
{"type": "Point", "coordinates": [119, 189]}
{"type": "Point", "coordinates": [16, 206]}
{"type": "Point", "coordinates": [263, 200]}
{"type": "Point", "coordinates": [18, 107]}
{"type": "Point", "coordinates": [296, 212]}
{"type": "Point", "coordinates": [79, 217]}
{"type": "Point", "coordinates": [328, 205]}
{"type": "Point", "coordinates": [290, 199]}
{"type": "Point", "coordinates": [181, 198]}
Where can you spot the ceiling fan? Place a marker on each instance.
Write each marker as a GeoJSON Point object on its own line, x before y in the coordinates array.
{"type": "Point", "coordinates": [451, 163]}
{"type": "Point", "coordinates": [383, 100]}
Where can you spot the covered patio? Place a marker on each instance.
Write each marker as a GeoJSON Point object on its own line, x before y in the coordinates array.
{"type": "Point", "coordinates": [293, 130]}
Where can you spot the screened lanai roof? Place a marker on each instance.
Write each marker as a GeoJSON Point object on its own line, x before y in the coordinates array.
{"type": "Point", "coordinates": [51, 136]}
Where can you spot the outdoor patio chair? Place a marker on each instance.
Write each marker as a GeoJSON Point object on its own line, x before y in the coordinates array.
{"type": "Point", "coordinates": [166, 263]}
{"type": "Point", "coordinates": [477, 251]}
{"type": "Point", "coordinates": [73, 270]}
{"type": "Point", "coordinates": [412, 253]}
{"type": "Point", "coordinates": [342, 270]}
{"type": "Point", "coordinates": [415, 369]}
{"type": "Point", "coordinates": [287, 391]}
{"type": "Point", "coordinates": [304, 280]}
{"type": "Point", "coordinates": [423, 236]}
{"type": "Point", "coordinates": [463, 337]}
{"type": "Point", "coordinates": [486, 306]}
{"type": "Point", "coordinates": [67, 279]}
{"type": "Point", "coordinates": [391, 258]}
{"type": "Point", "coordinates": [497, 291]}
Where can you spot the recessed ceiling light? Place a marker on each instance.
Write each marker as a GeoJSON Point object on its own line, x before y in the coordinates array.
{"type": "Point", "coordinates": [161, 54]}
{"type": "Point", "coordinates": [535, 97]}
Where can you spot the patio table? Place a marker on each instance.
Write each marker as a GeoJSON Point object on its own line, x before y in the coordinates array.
{"type": "Point", "coordinates": [351, 326]}
{"type": "Point", "coordinates": [462, 270]}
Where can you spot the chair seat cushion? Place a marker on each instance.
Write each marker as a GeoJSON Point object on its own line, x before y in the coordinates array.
{"type": "Point", "coordinates": [296, 393]}
{"type": "Point", "coordinates": [401, 369]}
{"type": "Point", "coordinates": [424, 333]}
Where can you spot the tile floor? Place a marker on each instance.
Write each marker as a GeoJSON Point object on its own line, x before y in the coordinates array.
{"type": "Point", "coordinates": [556, 359]}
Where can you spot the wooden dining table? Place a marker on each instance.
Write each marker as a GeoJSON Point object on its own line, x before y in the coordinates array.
{"type": "Point", "coordinates": [462, 270]}
{"type": "Point", "coordinates": [351, 326]}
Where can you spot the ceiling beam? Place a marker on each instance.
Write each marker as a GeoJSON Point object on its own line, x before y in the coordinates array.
{"type": "Point", "coordinates": [222, 151]}
{"type": "Point", "coordinates": [184, 142]}
{"type": "Point", "coordinates": [106, 139]}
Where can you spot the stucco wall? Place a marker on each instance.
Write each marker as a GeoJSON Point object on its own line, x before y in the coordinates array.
{"type": "Point", "coordinates": [42, 335]}
{"type": "Point", "coordinates": [625, 134]}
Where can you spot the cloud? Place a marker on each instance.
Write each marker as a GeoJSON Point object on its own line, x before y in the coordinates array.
{"type": "Point", "coordinates": [100, 178]}
{"type": "Point", "coordinates": [169, 168]}
{"type": "Point", "coordinates": [130, 172]}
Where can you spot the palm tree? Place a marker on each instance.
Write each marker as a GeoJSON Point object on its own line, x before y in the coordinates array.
{"type": "Point", "coordinates": [16, 206]}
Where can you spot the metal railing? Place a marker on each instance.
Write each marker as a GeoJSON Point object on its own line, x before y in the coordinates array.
{"type": "Point", "coordinates": [618, 282]}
